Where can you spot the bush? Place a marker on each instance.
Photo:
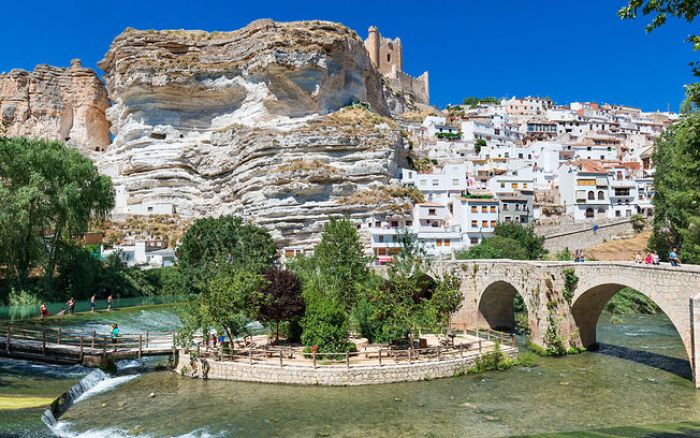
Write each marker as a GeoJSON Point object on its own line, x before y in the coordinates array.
{"type": "Point", "coordinates": [638, 223]}
{"type": "Point", "coordinates": [496, 247]}
{"type": "Point", "coordinates": [22, 298]}
{"type": "Point", "coordinates": [494, 360]}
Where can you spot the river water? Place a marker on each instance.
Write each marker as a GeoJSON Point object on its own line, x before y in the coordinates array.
{"type": "Point", "coordinates": [639, 376]}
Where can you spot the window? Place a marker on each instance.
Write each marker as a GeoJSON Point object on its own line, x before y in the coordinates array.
{"type": "Point", "coordinates": [601, 195]}
{"type": "Point", "coordinates": [524, 185]}
{"type": "Point", "coordinates": [438, 242]}
{"type": "Point", "coordinates": [618, 213]}
{"type": "Point", "coordinates": [380, 239]}
{"type": "Point", "coordinates": [504, 207]}
{"type": "Point", "coordinates": [601, 211]}
{"type": "Point", "coordinates": [431, 212]}
{"type": "Point", "coordinates": [591, 196]}
{"type": "Point", "coordinates": [409, 223]}
{"type": "Point", "coordinates": [455, 182]}
{"type": "Point", "coordinates": [517, 207]}
{"type": "Point", "coordinates": [394, 224]}
{"type": "Point", "coordinates": [514, 185]}
{"type": "Point", "coordinates": [434, 224]}
{"type": "Point", "coordinates": [503, 185]}
{"type": "Point", "coordinates": [448, 242]}
{"type": "Point", "coordinates": [493, 224]}
{"type": "Point", "coordinates": [589, 213]}
{"type": "Point", "coordinates": [388, 57]}
{"type": "Point", "coordinates": [474, 210]}
{"type": "Point", "coordinates": [435, 183]}
{"type": "Point", "coordinates": [484, 209]}
{"type": "Point", "coordinates": [474, 225]}
{"type": "Point", "coordinates": [508, 219]}
{"type": "Point", "coordinates": [586, 182]}
{"type": "Point", "coordinates": [484, 224]}
{"type": "Point", "coordinates": [377, 224]}
{"type": "Point", "coordinates": [493, 209]}
{"type": "Point", "coordinates": [150, 208]}
{"type": "Point", "coordinates": [474, 240]}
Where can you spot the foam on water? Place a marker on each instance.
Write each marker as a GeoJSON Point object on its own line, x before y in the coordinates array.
{"type": "Point", "coordinates": [64, 430]}
{"type": "Point", "coordinates": [104, 386]}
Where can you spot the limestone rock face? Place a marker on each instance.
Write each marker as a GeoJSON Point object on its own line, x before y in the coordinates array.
{"type": "Point", "coordinates": [66, 104]}
{"type": "Point", "coordinates": [253, 122]}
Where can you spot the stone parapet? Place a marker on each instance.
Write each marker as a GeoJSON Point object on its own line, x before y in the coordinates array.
{"type": "Point", "coordinates": [327, 375]}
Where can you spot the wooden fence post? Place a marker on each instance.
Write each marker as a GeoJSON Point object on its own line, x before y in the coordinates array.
{"type": "Point", "coordinates": [410, 359]}
{"type": "Point", "coordinates": [461, 350]}
{"type": "Point", "coordinates": [380, 357]}
{"type": "Point", "coordinates": [8, 339]}
{"type": "Point", "coordinates": [465, 329]}
{"type": "Point", "coordinates": [314, 356]}
{"type": "Point", "coordinates": [281, 364]}
{"type": "Point", "coordinates": [250, 356]}
{"type": "Point", "coordinates": [140, 346]}
{"type": "Point", "coordinates": [479, 345]}
{"type": "Point", "coordinates": [82, 352]}
{"type": "Point", "coordinates": [147, 336]}
{"type": "Point", "coordinates": [347, 359]}
{"type": "Point", "coordinates": [58, 338]}
{"type": "Point", "coordinates": [94, 335]}
{"type": "Point", "coordinates": [438, 353]}
{"type": "Point", "coordinates": [43, 342]}
{"type": "Point", "coordinates": [104, 348]}
{"type": "Point", "coordinates": [512, 340]}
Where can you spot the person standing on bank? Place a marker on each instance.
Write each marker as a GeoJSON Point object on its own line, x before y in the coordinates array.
{"type": "Point", "coordinates": [71, 305]}
{"type": "Point", "coordinates": [109, 302]}
{"type": "Point", "coordinates": [93, 302]}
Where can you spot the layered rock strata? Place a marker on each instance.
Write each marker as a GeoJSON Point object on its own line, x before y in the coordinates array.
{"type": "Point", "coordinates": [258, 122]}
{"type": "Point", "coordinates": [66, 104]}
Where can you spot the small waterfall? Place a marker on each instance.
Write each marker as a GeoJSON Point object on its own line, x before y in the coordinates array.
{"type": "Point", "coordinates": [96, 382]}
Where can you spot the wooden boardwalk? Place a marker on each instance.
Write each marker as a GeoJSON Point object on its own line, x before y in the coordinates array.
{"type": "Point", "coordinates": [61, 347]}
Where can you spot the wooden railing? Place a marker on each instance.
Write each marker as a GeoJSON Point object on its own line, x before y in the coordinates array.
{"type": "Point", "coordinates": [63, 343]}
{"type": "Point", "coordinates": [367, 357]}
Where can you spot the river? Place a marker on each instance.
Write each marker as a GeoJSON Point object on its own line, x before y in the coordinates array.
{"type": "Point", "coordinates": [639, 376]}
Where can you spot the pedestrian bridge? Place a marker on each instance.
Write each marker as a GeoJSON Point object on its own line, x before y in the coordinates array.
{"type": "Point", "coordinates": [571, 313]}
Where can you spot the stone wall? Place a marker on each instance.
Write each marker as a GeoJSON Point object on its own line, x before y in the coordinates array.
{"type": "Point", "coordinates": [337, 375]}
{"type": "Point", "coordinates": [581, 236]}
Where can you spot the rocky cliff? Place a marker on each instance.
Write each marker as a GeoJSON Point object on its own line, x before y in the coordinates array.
{"type": "Point", "coordinates": [66, 104]}
{"type": "Point", "coordinates": [255, 122]}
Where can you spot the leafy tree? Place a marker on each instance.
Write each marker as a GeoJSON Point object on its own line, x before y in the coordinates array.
{"type": "Point", "coordinates": [526, 236]}
{"type": "Point", "coordinates": [677, 197]}
{"type": "Point", "coordinates": [211, 243]}
{"type": "Point", "coordinates": [230, 300]}
{"type": "Point", "coordinates": [340, 259]}
{"type": "Point", "coordinates": [49, 194]}
{"type": "Point", "coordinates": [478, 144]}
{"type": "Point", "coordinates": [282, 300]}
{"type": "Point", "coordinates": [496, 247]}
{"type": "Point", "coordinates": [411, 300]}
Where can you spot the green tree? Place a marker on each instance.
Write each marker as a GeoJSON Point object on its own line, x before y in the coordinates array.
{"type": "Point", "coordinates": [496, 247]}
{"type": "Point", "coordinates": [411, 300]}
{"type": "Point", "coordinates": [49, 194]}
{"type": "Point", "coordinates": [211, 243]}
{"type": "Point", "coordinates": [230, 300]}
{"type": "Point", "coordinates": [340, 259]}
{"type": "Point", "coordinates": [677, 194]}
{"type": "Point", "coordinates": [526, 236]}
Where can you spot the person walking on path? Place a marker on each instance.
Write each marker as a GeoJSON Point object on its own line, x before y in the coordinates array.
{"type": "Point", "coordinates": [93, 303]}
{"type": "Point", "coordinates": [115, 335]}
{"type": "Point", "coordinates": [595, 228]}
{"type": "Point", "coordinates": [673, 257]}
{"type": "Point", "coordinates": [109, 302]}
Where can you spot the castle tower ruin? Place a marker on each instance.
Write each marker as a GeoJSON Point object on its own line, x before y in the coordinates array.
{"type": "Point", "coordinates": [387, 55]}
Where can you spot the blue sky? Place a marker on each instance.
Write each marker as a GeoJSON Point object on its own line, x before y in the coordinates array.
{"type": "Point", "coordinates": [565, 49]}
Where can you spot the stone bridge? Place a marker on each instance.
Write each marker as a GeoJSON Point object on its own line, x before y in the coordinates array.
{"type": "Point", "coordinates": [568, 315]}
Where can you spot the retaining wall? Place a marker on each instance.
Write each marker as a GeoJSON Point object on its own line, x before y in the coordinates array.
{"type": "Point", "coordinates": [336, 375]}
{"type": "Point", "coordinates": [583, 236]}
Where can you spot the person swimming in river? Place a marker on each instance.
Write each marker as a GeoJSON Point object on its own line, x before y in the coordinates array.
{"type": "Point", "coordinates": [115, 335]}
{"type": "Point", "coordinates": [61, 312]}
{"type": "Point", "coordinates": [109, 302]}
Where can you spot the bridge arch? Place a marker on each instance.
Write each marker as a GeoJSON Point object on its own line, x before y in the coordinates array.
{"type": "Point", "coordinates": [588, 305]}
{"type": "Point", "coordinates": [496, 308]}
